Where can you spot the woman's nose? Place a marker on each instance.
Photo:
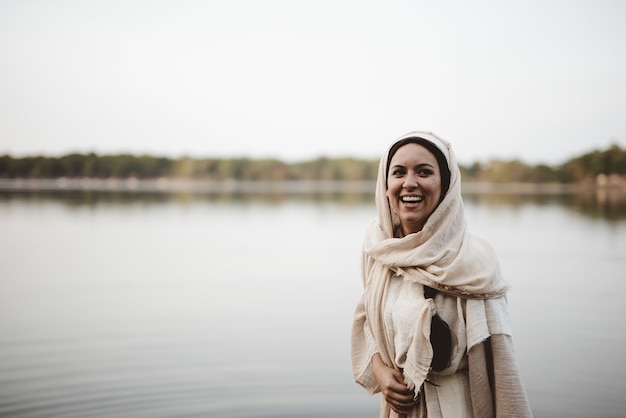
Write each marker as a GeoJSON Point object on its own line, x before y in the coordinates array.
{"type": "Point", "coordinates": [410, 182]}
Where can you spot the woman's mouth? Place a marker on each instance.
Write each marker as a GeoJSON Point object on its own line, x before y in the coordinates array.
{"type": "Point", "coordinates": [411, 199]}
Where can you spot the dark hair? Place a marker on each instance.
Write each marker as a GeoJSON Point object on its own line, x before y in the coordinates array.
{"type": "Point", "coordinates": [440, 337]}
{"type": "Point", "coordinates": [444, 170]}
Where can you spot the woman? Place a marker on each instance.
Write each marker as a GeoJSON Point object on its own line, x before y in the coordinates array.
{"type": "Point", "coordinates": [432, 331]}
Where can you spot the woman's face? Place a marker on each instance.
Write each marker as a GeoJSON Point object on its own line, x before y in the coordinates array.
{"type": "Point", "coordinates": [413, 186]}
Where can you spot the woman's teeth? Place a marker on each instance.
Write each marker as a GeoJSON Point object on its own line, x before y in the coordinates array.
{"type": "Point", "coordinates": [411, 199]}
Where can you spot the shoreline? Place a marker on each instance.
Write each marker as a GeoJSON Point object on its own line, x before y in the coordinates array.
{"type": "Point", "coordinates": [203, 186]}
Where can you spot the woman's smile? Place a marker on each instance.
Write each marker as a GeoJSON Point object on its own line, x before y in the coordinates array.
{"type": "Point", "coordinates": [408, 200]}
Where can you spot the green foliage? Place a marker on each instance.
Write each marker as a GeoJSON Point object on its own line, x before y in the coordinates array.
{"type": "Point", "coordinates": [609, 161]}
{"type": "Point", "coordinates": [513, 171]}
{"type": "Point", "coordinates": [584, 167]}
{"type": "Point", "coordinates": [323, 168]}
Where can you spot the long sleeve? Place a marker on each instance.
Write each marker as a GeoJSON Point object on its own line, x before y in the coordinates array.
{"type": "Point", "coordinates": [495, 382]}
{"type": "Point", "coordinates": [510, 396]}
{"type": "Point", "coordinates": [362, 349]}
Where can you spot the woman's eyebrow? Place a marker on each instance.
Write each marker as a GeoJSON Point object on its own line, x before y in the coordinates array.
{"type": "Point", "coordinates": [417, 165]}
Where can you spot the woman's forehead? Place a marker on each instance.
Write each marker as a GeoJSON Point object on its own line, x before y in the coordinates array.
{"type": "Point", "coordinates": [413, 153]}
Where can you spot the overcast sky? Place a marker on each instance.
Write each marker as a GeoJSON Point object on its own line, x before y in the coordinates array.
{"type": "Point", "coordinates": [537, 80]}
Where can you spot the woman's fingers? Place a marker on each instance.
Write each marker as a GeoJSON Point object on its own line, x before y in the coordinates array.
{"type": "Point", "coordinates": [402, 407]}
{"type": "Point", "coordinates": [392, 386]}
{"type": "Point", "coordinates": [400, 399]}
{"type": "Point", "coordinates": [398, 396]}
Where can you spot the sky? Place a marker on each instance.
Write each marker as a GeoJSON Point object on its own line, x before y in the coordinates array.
{"type": "Point", "coordinates": [537, 80]}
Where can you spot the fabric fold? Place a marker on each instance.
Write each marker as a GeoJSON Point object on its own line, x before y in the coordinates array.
{"type": "Point", "coordinates": [420, 353]}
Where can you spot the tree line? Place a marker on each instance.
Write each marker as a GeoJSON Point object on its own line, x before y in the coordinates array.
{"type": "Point", "coordinates": [587, 166]}
{"type": "Point", "coordinates": [610, 161]}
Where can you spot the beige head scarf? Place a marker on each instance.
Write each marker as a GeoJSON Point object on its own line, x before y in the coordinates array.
{"type": "Point", "coordinates": [443, 255]}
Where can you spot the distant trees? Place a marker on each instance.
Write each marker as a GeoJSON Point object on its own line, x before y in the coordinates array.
{"type": "Point", "coordinates": [513, 171]}
{"type": "Point", "coordinates": [124, 166]}
{"type": "Point", "coordinates": [610, 161]}
{"type": "Point", "coordinates": [578, 169]}
{"type": "Point", "coordinates": [80, 165]}
{"type": "Point", "coordinates": [590, 165]}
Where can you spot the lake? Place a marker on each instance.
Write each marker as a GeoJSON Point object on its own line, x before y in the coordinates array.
{"type": "Point", "coordinates": [205, 305]}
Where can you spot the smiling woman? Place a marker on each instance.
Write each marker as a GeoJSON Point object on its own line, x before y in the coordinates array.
{"type": "Point", "coordinates": [432, 330]}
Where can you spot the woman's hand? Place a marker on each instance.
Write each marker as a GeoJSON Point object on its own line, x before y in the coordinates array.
{"type": "Point", "coordinates": [392, 386]}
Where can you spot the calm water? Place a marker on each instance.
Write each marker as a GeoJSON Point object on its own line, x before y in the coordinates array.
{"type": "Point", "coordinates": [179, 306]}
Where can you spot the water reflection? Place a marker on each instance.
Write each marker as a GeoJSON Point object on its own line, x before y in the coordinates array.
{"type": "Point", "coordinates": [600, 203]}
{"type": "Point", "coordinates": [235, 192]}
